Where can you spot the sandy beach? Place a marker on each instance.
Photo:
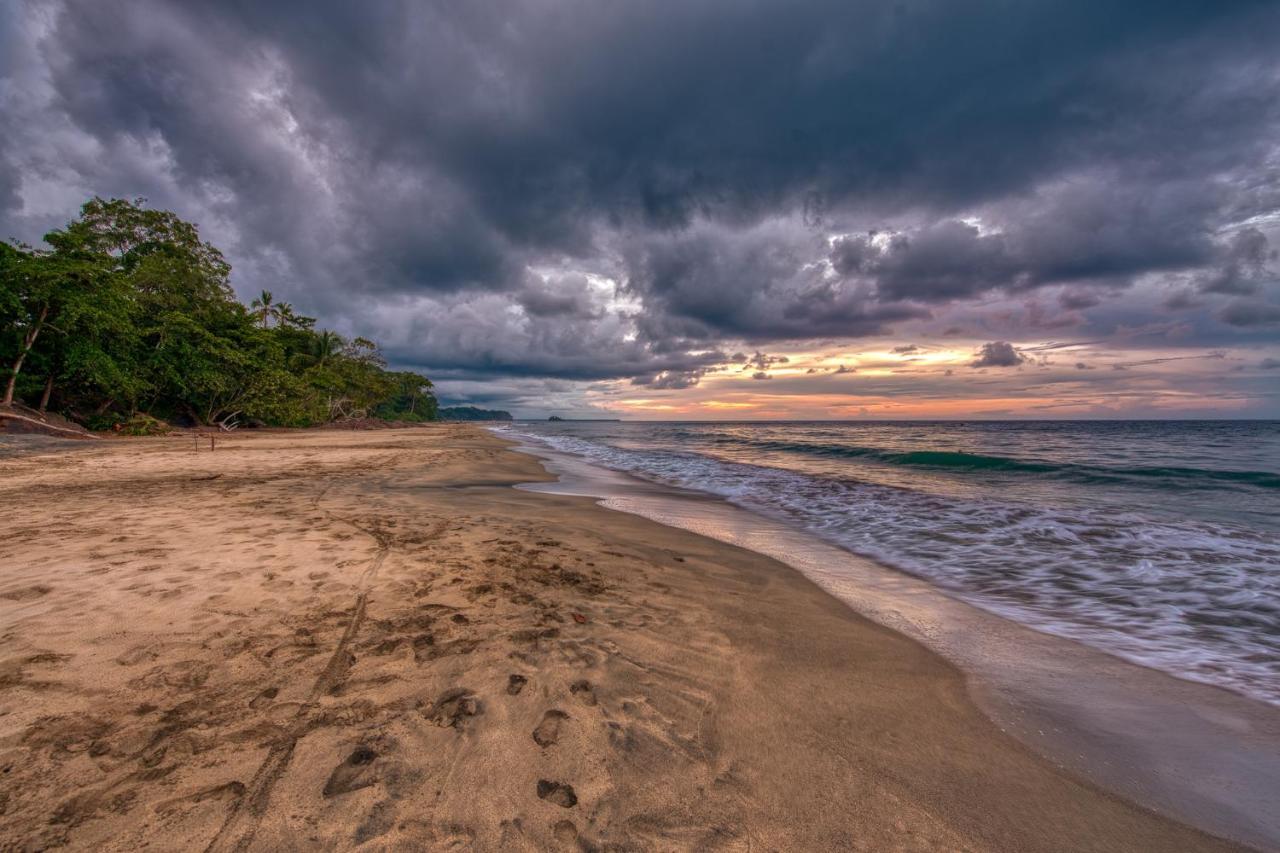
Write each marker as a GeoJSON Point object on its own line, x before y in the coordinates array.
{"type": "Point", "coordinates": [331, 640]}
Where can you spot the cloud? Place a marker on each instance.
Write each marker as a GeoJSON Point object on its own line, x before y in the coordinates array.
{"type": "Point", "coordinates": [669, 380]}
{"type": "Point", "coordinates": [757, 283]}
{"type": "Point", "coordinates": [488, 190]}
{"type": "Point", "coordinates": [1097, 229]}
{"type": "Point", "coordinates": [1249, 313]}
{"type": "Point", "coordinates": [997, 354]}
{"type": "Point", "coordinates": [1244, 265]}
{"type": "Point", "coordinates": [762, 361]}
{"type": "Point", "coordinates": [1074, 300]}
{"type": "Point", "coordinates": [569, 296]}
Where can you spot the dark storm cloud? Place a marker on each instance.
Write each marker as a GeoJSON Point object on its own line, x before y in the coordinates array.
{"type": "Point", "coordinates": [565, 296]}
{"type": "Point", "coordinates": [1250, 313]}
{"type": "Point", "coordinates": [757, 284]}
{"type": "Point", "coordinates": [1182, 300]}
{"type": "Point", "coordinates": [1074, 300]}
{"type": "Point", "coordinates": [1093, 230]}
{"type": "Point", "coordinates": [998, 354]}
{"type": "Point", "coordinates": [739, 109]}
{"type": "Point", "coordinates": [426, 156]}
{"type": "Point", "coordinates": [469, 338]}
{"type": "Point", "coordinates": [1244, 265]}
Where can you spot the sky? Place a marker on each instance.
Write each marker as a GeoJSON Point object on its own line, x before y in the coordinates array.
{"type": "Point", "coordinates": [712, 209]}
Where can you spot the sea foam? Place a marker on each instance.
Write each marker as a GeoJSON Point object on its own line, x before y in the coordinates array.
{"type": "Point", "coordinates": [1197, 599]}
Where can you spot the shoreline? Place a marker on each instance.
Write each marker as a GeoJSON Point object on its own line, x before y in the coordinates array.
{"type": "Point", "coordinates": [336, 638]}
{"type": "Point", "coordinates": [1193, 751]}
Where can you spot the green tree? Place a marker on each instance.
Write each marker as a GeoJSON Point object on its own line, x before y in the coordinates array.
{"type": "Point", "coordinates": [65, 300]}
{"type": "Point", "coordinates": [265, 309]}
{"type": "Point", "coordinates": [128, 311]}
{"type": "Point", "coordinates": [412, 399]}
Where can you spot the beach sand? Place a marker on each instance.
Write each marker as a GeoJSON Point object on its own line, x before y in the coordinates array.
{"type": "Point", "coordinates": [328, 639]}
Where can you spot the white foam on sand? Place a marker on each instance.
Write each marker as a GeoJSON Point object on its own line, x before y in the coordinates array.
{"type": "Point", "coordinates": [1203, 755]}
{"type": "Point", "coordinates": [1198, 600]}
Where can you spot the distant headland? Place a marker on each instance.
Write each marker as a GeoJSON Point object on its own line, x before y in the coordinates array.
{"type": "Point", "coordinates": [471, 413]}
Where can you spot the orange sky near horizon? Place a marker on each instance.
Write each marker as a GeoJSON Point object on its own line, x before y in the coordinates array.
{"type": "Point", "coordinates": [935, 382]}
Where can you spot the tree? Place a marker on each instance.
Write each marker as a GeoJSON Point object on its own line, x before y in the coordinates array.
{"type": "Point", "coordinates": [364, 351]}
{"type": "Point", "coordinates": [64, 292]}
{"type": "Point", "coordinates": [264, 309]}
{"type": "Point", "coordinates": [324, 346]}
{"type": "Point", "coordinates": [290, 320]}
{"type": "Point", "coordinates": [22, 291]}
{"type": "Point", "coordinates": [412, 399]}
{"type": "Point", "coordinates": [128, 311]}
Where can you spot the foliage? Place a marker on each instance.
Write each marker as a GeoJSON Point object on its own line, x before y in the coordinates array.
{"type": "Point", "coordinates": [140, 424]}
{"type": "Point", "coordinates": [129, 316]}
{"type": "Point", "coordinates": [471, 413]}
{"type": "Point", "coordinates": [411, 399]}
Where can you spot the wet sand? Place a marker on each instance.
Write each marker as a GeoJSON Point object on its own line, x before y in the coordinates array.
{"type": "Point", "coordinates": [1194, 752]}
{"type": "Point", "coordinates": [322, 640]}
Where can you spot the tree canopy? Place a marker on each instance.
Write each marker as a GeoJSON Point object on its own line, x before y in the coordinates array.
{"type": "Point", "coordinates": [128, 312]}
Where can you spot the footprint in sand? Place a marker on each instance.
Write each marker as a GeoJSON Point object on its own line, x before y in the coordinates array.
{"type": "Point", "coordinates": [565, 832]}
{"type": "Point", "coordinates": [453, 709]}
{"type": "Point", "coordinates": [27, 593]}
{"type": "Point", "coordinates": [352, 774]}
{"type": "Point", "coordinates": [548, 731]}
{"type": "Point", "coordinates": [583, 691]}
{"type": "Point", "coordinates": [515, 684]}
{"type": "Point", "coordinates": [557, 792]}
{"type": "Point", "coordinates": [264, 697]}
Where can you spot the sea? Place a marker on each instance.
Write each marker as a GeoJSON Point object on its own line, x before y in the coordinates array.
{"type": "Point", "coordinates": [1155, 541]}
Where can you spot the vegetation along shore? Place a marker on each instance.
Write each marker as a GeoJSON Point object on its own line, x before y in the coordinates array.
{"type": "Point", "coordinates": [127, 320]}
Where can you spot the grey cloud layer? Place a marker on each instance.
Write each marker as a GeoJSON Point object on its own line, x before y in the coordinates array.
{"type": "Point", "coordinates": [447, 177]}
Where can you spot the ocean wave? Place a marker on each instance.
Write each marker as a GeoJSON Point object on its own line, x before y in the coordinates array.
{"type": "Point", "coordinates": [1197, 599]}
{"type": "Point", "coordinates": [1157, 476]}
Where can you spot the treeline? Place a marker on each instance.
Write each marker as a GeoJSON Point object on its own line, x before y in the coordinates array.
{"type": "Point", "coordinates": [471, 413]}
{"type": "Point", "coordinates": [128, 315]}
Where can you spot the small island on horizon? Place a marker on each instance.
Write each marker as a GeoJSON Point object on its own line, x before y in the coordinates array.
{"type": "Point", "coordinates": [559, 419]}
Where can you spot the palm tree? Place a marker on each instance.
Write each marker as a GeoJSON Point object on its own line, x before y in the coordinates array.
{"type": "Point", "coordinates": [288, 317]}
{"type": "Point", "coordinates": [264, 309]}
{"type": "Point", "coordinates": [324, 346]}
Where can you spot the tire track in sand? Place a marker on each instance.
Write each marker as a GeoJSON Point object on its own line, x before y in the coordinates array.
{"type": "Point", "coordinates": [242, 821]}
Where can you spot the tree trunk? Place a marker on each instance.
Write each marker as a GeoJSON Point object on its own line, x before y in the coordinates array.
{"type": "Point", "coordinates": [48, 389]}
{"type": "Point", "coordinates": [28, 341]}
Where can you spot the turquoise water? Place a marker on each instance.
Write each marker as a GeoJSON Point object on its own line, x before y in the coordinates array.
{"type": "Point", "coordinates": [1155, 541]}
